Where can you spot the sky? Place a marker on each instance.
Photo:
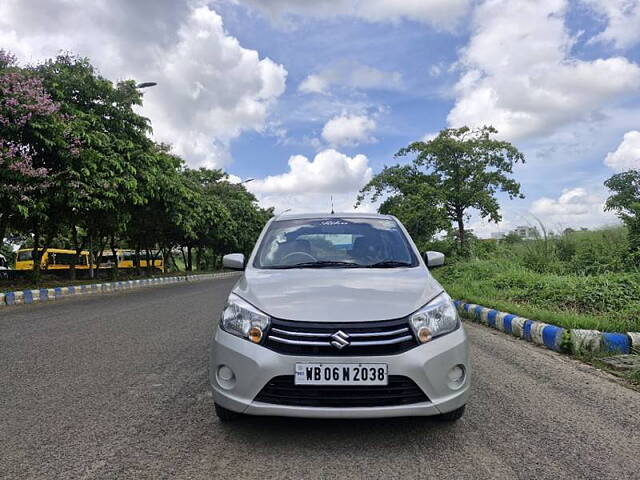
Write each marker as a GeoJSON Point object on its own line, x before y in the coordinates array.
{"type": "Point", "coordinates": [313, 98]}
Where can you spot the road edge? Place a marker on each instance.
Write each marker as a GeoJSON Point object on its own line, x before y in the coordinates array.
{"type": "Point", "coordinates": [27, 297]}
{"type": "Point", "coordinates": [555, 338]}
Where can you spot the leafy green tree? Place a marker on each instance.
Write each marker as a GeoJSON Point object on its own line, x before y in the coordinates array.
{"type": "Point", "coordinates": [459, 170]}
{"type": "Point", "coordinates": [92, 190]}
{"type": "Point", "coordinates": [625, 201]}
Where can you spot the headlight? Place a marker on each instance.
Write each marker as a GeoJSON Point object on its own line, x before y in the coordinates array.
{"type": "Point", "coordinates": [436, 318]}
{"type": "Point", "coordinates": [243, 319]}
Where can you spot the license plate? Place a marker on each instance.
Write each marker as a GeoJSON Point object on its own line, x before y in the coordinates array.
{"type": "Point", "coordinates": [341, 374]}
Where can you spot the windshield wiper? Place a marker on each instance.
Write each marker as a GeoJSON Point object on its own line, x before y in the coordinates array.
{"type": "Point", "coordinates": [389, 264]}
{"type": "Point", "coordinates": [320, 264]}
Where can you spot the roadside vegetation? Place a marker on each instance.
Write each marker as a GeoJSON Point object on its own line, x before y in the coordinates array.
{"type": "Point", "coordinates": [79, 171]}
{"type": "Point", "coordinates": [581, 279]}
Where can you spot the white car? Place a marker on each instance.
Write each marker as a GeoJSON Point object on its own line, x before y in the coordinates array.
{"type": "Point", "coordinates": [337, 316]}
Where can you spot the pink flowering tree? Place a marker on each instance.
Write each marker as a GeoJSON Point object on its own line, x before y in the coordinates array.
{"type": "Point", "coordinates": [24, 108]}
{"type": "Point", "coordinates": [31, 127]}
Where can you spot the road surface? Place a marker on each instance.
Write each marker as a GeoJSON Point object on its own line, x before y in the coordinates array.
{"type": "Point", "coordinates": [115, 387]}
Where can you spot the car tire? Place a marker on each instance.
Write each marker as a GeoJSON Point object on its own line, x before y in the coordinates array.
{"type": "Point", "coordinates": [226, 415]}
{"type": "Point", "coordinates": [452, 416]}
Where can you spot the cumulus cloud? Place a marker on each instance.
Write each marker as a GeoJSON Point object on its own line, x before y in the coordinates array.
{"type": "Point", "coordinates": [575, 207]}
{"type": "Point", "coordinates": [623, 21]}
{"type": "Point", "coordinates": [349, 130]}
{"type": "Point", "coordinates": [329, 172]}
{"type": "Point", "coordinates": [518, 74]}
{"type": "Point", "coordinates": [442, 14]}
{"type": "Point", "coordinates": [309, 185]}
{"type": "Point", "coordinates": [210, 88]}
{"type": "Point", "coordinates": [627, 155]}
{"type": "Point", "coordinates": [354, 75]}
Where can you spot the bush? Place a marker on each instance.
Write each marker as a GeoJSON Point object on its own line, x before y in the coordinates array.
{"type": "Point", "coordinates": [609, 301]}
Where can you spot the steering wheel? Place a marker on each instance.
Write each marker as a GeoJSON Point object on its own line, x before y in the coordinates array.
{"type": "Point", "coordinates": [305, 255]}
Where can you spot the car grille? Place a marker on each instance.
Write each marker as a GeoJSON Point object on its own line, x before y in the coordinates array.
{"type": "Point", "coordinates": [387, 337]}
{"type": "Point", "coordinates": [400, 391]}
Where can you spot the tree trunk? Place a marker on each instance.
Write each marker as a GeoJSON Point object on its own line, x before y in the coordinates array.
{"type": "Point", "coordinates": [136, 259]}
{"type": "Point", "coordinates": [74, 260]}
{"type": "Point", "coordinates": [35, 257]}
{"type": "Point", "coordinates": [461, 232]}
{"type": "Point", "coordinates": [91, 258]}
{"type": "Point", "coordinates": [189, 264]}
{"type": "Point", "coordinates": [148, 257]}
{"type": "Point", "coordinates": [184, 257]}
{"type": "Point", "coordinates": [99, 252]}
{"type": "Point", "coordinates": [114, 252]}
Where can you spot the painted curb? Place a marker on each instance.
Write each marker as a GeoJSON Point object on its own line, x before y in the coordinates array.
{"type": "Point", "coordinates": [551, 336]}
{"type": "Point", "coordinates": [25, 297]}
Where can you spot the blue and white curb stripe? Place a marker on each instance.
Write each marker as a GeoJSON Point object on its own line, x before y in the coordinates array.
{"type": "Point", "coordinates": [26, 297]}
{"type": "Point", "coordinates": [551, 336]}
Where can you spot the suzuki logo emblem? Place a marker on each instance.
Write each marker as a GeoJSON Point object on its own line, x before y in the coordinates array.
{"type": "Point", "coordinates": [340, 340]}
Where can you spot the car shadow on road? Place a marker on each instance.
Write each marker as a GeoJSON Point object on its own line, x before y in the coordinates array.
{"type": "Point", "coordinates": [369, 431]}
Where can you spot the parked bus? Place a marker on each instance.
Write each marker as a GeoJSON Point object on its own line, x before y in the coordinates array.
{"type": "Point", "coordinates": [54, 259]}
{"type": "Point", "coordinates": [58, 259]}
{"type": "Point", "coordinates": [126, 259]}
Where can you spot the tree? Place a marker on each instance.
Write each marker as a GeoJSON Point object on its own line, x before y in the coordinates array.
{"type": "Point", "coordinates": [459, 170]}
{"type": "Point", "coordinates": [625, 201]}
{"type": "Point", "coordinates": [96, 187]}
{"type": "Point", "coordinates": [34, 137]}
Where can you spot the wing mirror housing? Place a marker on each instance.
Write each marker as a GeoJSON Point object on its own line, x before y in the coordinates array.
{"type": "Point", "coordinates": [434, 259]}
{"type": "Point", "coordinates": [233, 261]}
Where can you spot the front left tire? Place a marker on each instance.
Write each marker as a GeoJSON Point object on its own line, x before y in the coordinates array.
{"type": "Point", "coordinates": [226, 415]}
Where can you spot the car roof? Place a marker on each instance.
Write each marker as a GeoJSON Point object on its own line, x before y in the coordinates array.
{"type": "Point", "coordinates": [302, 216]}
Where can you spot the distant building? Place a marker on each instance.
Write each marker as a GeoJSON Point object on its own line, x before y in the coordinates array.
{"type": "Point", "coordinates": [497, 235]}
{"type": "Point", "coordinates": [526, 232]}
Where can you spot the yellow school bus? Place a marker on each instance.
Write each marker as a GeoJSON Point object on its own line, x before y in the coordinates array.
{"type": "Point", "coordinates": [52, 259]}
{"type": "Point", "coordinates": [61, 259]}
{"type": "Point", "coordinates": [126, 259]}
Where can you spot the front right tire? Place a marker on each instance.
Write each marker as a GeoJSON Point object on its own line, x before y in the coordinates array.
{"type": "Point", "coordinates": [451, 416]}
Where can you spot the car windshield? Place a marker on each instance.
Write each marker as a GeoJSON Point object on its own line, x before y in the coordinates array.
{"type": "Point", "coordinates": [335, 243]}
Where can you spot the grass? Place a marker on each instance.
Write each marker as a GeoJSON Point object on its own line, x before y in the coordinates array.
{"type": "Point", "coordinates": [584, 279]}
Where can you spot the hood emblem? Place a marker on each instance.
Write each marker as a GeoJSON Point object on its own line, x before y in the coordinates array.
{"type": "Point", "coordinates": [340, 339]}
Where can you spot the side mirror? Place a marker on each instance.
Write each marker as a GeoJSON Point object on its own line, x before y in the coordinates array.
{"type": "Point", "coordinates": [234, 261]}
{"type": "Point", "coordinates": [434, 259]}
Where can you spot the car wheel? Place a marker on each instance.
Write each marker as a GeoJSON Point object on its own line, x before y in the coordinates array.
{"type": "Point", "coordinates": [226, 415]}
{"type": "Point", "coordinates": [452, 416]}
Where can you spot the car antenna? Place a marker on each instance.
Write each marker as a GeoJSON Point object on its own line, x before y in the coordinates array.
{"type": "Point", "coordinates": [332, 212]}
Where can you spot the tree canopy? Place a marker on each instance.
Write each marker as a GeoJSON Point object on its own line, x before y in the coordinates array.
{"type": "Point", "coordinates": [79, 170]}
{"type": "Point", "coordinates": [460, 170]}
{"type": "Point", "coordinates": [625, 201]}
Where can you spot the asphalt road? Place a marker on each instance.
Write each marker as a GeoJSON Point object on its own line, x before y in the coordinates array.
{"type": "Point", "coordinates": [115, 387]}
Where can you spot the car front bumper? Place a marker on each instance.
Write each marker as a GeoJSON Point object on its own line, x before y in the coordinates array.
{"type": "Point", "coordinates": [253, 366]}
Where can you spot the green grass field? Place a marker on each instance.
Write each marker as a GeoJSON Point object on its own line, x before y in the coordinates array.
{"type": "Point", "coordinates": [581, 280]}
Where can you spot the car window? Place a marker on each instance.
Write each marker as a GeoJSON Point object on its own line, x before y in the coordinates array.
{"type": "Point", "coordinates": [334, 242]}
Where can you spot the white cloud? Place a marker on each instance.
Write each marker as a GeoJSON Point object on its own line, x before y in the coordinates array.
{"type": "Point", "coordinates": [442, 14]}
{"type": "Point", "coordinates": [314, 83]}
{"type": "Point", "coordinates": [627, 155]}
{"type": "Point", "coordinates": [309, 185]}
{"type": "Point", "coordinates": [575, 207]}
{"type": "Point", "coordinates": [623, 21]}
{"type": "Point", "coordinates": [518, 74]}
{"type": "Point", "coordinates": [349, 130]}
{"type": "Point", "coordinates": [329, 172]}
{"type": "Point", "coordinates": [429, 136]}
{"type": "Point", "coordinates": [210, 89]}
{"type": "Point", "coordinates": [351, 74]}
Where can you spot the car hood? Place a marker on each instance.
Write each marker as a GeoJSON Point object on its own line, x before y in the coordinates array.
{"type": "Point", "coordinates": [338, 294]}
